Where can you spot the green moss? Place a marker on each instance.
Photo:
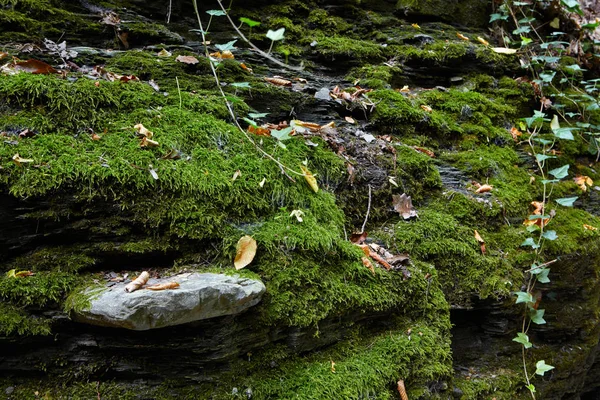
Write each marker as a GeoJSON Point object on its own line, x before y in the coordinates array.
{"type": "Point", "coordinates": [15, 320]}
{"type": "Point", "coordinates": [335, 47]}
{"type": "Point", "coordinates": [374, 76]}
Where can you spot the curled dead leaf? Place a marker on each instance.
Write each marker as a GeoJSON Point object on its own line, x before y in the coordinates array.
{"type": "Point", "coordinates": [259, 130]}
{"type": "Point", "coordinates": [358, 238]}
{"type": "Point", "coordinates": [245, 251]}
{"type": "Point", "coordinates": [405, 89]}
{"type": "Point", "coordinates": [416, 26]}
{"type": "Point", "coordinates": [589, 227]}
{"type": "Point", "coordinates": [403, 206]}
{"type": "Point", "coordinates": [426, 108]}
{"type": "Point", "coordinates": [539, 207]}
{"type": "Point", "coordinates": [583, 182]}
{"type": "Point", "coordinates": [367, 263]}
{"type": "Point", "coordinates": [17, 159]}
{"type": "Point", "coordinates": [278, 81]}
{"type": "Point", "coordinates": [310, 179]}
{"type": "Point", "coordinates": [236, 175]}
{"type": "Point", "coordinates": [138, 282]}
{"type": "Point", "coordinates": [483, 41]}
{"type": "Point", "coordinates": [424, 151]}
{"type": "Point", "coordinates": [187, 59]}
{"type": "Point", "coordinates": [20, 274]}
{"type": "Point", "coordinates": [145, 142]}
{"type": "Point", "coordinates": [484, 188]}
{"type": "Point", "coordinates": [478, 237]}
{"type": "Point", "coordinates": [402, 390]}
{"type": "Point", "coordinates": [163, 286]}
{"type": "Point", "coordinates": [142, 131]}
{"type": "Point", "coordinates": [515, 133]}
{"type": "Point", "coordinates": [246, 68]}
{"type": "Point", "coordinates": [461, 36]}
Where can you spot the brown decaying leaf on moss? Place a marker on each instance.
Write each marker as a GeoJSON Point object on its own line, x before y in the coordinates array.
{"type": "Point", "coordinates": [187, 59]}
{"type": "Point", "coordinates": [403, 206]}
{"type": "Point", "coordinates": [245, 251]}
{"type": "Point", "coordinates": [367, 263]}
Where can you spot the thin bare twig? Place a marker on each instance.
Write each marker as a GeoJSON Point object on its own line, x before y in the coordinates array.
{"type": "Point", "coordinates": [368, 211]}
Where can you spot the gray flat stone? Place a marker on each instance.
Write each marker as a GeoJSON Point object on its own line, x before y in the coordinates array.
{"type": "Point", "coordinates": [199, 296]}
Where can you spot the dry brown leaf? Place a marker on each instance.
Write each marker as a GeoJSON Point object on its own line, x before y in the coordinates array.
{"type": "Point", "coordinates": [515, 133]}
{"type": "Point", "coordinates": [539, 206]}
{"type": "Point", "coordinates": [589, 227]}
{"type": "Point", "coordinates": [484, 188]}
{"type": "Point", "coordinates": [310, 179]}
{"type": "Point", "coordinates": [245, 250]}
{"type": "Point", "coordinates": [246, 68]}
{"type": "Point", "coordinates": [142, 131]}
{"type": "Point", "coordinates": [163, 286]}
{"type": "Point", "coordinates": [483, 41]}
{"type": "Point", "coordinates": [402, 390]}
{"type": "Point", "coordinates": [546, 102]}
{"type": "Point", "coordinates": [403, 206]}
{"type": "Point", "coordinates": [258, 130]}
{"type": "Point", "coordinates": [187, 59]}
{"type": "Point", "coordinates": [138, 282]}
{"type": "Point", "coordinates": [583, 182]}
{"type": "Point", "coordinates": [34, 67]}
{"type": "Point", "coordinates": [3, 55]}
{"type": "Point", "coordinates": [379, 259]}
{"type": "Point", "coordinates": [461, 36]}
{"type": "Point", "coordinates": [21, 274]}
{"type": "Point", "coordinates": [358, 238]}
{"type": "Point", "coordinates": [314, 127]}
{"type": "Point", "coordinates": [426, 108]}
{"type": "Point", "coordinates": [145, 142]}
{"type": "Point", "coordinates": [278, 81]}
{"type": "Point", "coordinates": [367, 263]}
{"type": "Point", "coordinates": [425, 151]}
{"type": "Point", "coordinates": [17, 159]}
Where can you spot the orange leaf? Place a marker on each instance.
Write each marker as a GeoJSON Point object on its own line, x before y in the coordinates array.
{"type": "Point", "coordinates": [258, 130]}
{"type": "Point", "coordinates": [583, 181]}
{"type": "Point", "coordinates": [367, 263]}
{"type": "Point", "coordinates": [34, 67]}
{"type": "Point", "coordinates": [426, 108]}
{"type": "Point", "coordinates": [245, 251]}
{"type": "Point", "coordinates": [483, 41]}
{"type": "Point", "coordinates": [515, 133]}
{"type": "Point", "coordinates": [539, 206]}
{"type": "Point", "coordinates": [461, 36]}
{"type": "Point", "coordinates": [310, 179]}
{"type": "Point", "coordinates": [589, 227]}
{"type": "Point", "coordinates": [425, 151]}
{"type": "Point", "coordinates": [484, 188]}
{"type": "Point", "coordinates": [358, 238]}
{"type": "Point", "coordinates": [164, 286]}
{"type": "Point", "coordinates": [23, 274]}
{"type": "Point", "coordinates": [246, 68]}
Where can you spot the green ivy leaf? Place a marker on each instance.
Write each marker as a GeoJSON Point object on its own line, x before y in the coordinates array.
{"type": "Point", "coordinates": [530, 242]}
{"type": "Point", "coordinates": [543, 157]}
{"type": "Point", "coordinates": [257, 115]}
{"type": "Point", "coordinates": [561, 172]}
{"type": "Point", "coordinates": [227, 46]}
{"type": "Point", "coordinates": [523, 297]}
{"type": "Point", "coordinates": [215, 13]}
{"type": "Point", "coordinates": [565, 133]}
{"type": "Point", "coordinates": [250, 122]}
{"type": "Point", "coordinates": [541, 367]}
{"type": "Point", "coordinates": [550, 235]}
{"type": "Point", "coordinates": [523, 339]}
{"type": "Point", "coordinates": [542, 275]}
{"type": "Point", "coordinates": [531, 387]}
{"type": "Point", "coordinates": [537, 316]}
{"type": "Point", "coordinates": [567, 201]}
{"type": "Point", "coordinates": [250, 22]}
{"type": "Point", "coordinates": [240, 84]}
{"type": "Point", "coordinates": [282, 134]}
{"type": "Point", "coordinates": [496, 17]}
{"type": "Point", "coordinates": [276, 35]}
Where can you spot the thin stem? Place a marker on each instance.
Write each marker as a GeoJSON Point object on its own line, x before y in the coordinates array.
{"type": "Point", "coordinates": [368, 211]}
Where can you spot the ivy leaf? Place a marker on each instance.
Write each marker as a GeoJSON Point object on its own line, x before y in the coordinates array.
{"type": "Point", "coordinates": [240, 84]}
{"type": "Point", "coordinates": [541, 367]}
{"type": "Point", "coordinates": [257, 115]}
{"type": "Point", "coordinates": [215, 13]}
{"type": "Point", "coordinates": [567, 201]}
{"type": "Point", "coordinates": [542, 157]}
{"type": "Point", "coordinates": [282, 134]}
{"type": "Point", "coordinates": [542, 275]}
{"type": "Point", "coordinates": [565, 133]}
{"type": "Point", "coordinates": [537, 316]}
{"type": "Point", "coordinates": [561, 172]}
{"type": "Point", "coordinates": [522, 29]}
{"type": "Point", "coordinates": [554, 125]}
{"type": "Point", "coordinates": [547, 77]}
{"type": "Point", "coordinates": [250, 22]}
{"type": "Point", "coordinates": [496, 17]}
{"type": "Point", "coordinates": [276, 35]}
{"type": "Point", "coordinates": [227, 46]}
{"type": "Point", "coordinates": [523, 297]}
{"type": "Point", "coordinates": [523, 339]}
{"type": "Point", "coordinates": [550, 235]}
{"type": "Point", "coordinates": [250, 122]}
{"type": "Point", "coordinates": [531, 387]}
{"type": "Point", "coordinates": [530, 242]}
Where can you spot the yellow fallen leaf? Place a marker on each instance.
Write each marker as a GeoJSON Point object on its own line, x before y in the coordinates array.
{"type": "Point", "coordinates": [17, 159]}
{"type": "Point", "coordinates": [583, 182]}
{"type": "Point", "coordinates": [461, 36]}
{"type": "Point", "coordinates": [163, 53]}
{"type": "Point", "coordinates": [484, 188]}
{"type": "Point", "coordinates": [164, 286]}
{"type": "Point", "coordinates": [405, 89]}
{"type": "Point", "coordinates": [504, 50]}
{"type": "Point", "coordinates": [478, 237]}
{"type": "Point", "coordinates": [416, 26]}
{"type": "Point", "coordinates": [483, 41]}
{"type": "Point", "coordinates": [310, 179]}
{"type": "Point", "coordinates": [426, 108]}
{"type": "Point", "coordinates": [245, 250]}
{"type": "Point", "coordinates": [142, 131]}
{"type": "Point", "coordinates": [589, 227]}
